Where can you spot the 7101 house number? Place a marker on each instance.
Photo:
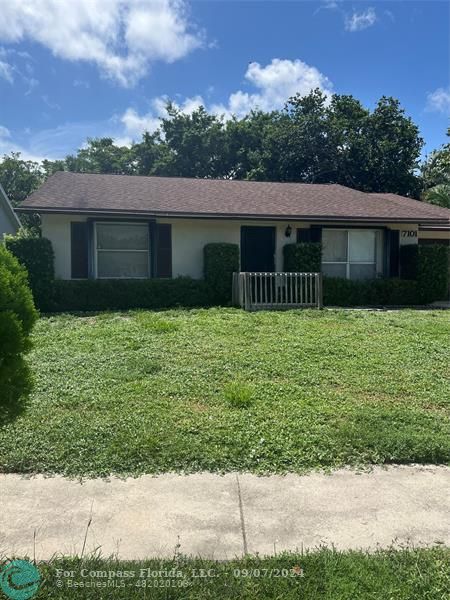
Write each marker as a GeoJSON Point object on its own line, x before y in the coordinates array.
{"type": "Point", "coordinates": [411, 233]}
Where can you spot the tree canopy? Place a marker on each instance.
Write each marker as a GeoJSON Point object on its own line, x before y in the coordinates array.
{"type": "Point", "coordinates": [436, 176]}
{"type": "Point", "coordinates": [313, 139]}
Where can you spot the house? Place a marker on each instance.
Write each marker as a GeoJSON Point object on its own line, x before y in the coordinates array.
{"type": "Point", "coordinates": [117, 226]}
{"type": "Point", "coordinates": [9, 223]}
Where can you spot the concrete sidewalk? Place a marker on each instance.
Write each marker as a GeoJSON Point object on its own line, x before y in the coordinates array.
{"type": "Point", "coordinates": [224, 516]}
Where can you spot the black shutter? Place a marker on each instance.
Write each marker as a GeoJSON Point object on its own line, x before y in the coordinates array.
{"type": "Point", "coordinates": [312, 234]}
{"type": "Point", "coordinates": [79, 249]}
{"type": "Point", "coordinates": [304, 235]}
{"type": "Point", "coordinates": [394, 244]}
{"type": "Point", "coordinates": [163, 249]}
{"type": "Point", "coordinates": [316, 233]}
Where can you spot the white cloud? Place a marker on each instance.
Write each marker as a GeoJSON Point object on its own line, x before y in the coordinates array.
{"type": "Point", "coordinates": [6, 71]}
{"type": "Point", "coordinates": [122, 37]}
{"type": "Point", "coordinates": [439, 100]}
{"type": "Point", "coordinates": [135, 125]}
{"type": "Point", "coordinates": [4, 132]}
{"type": "Point", "coordinates": [276, 82]}
{"type": "Point", "coordinates": [81, 83]}
{"type": "Point", "coordinates": [360, 20]}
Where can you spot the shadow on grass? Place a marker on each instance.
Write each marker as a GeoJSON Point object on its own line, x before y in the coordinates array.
{"type": "Point", "coordinates": [15, 388]}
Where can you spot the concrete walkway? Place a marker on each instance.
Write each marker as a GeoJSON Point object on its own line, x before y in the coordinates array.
{"type": "Point", "coordinates": [224, 516]}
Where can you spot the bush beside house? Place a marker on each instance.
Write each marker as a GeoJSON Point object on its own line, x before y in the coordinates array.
{"type": "Point", "coordinates": [102, 294]}
{"type": "Point", "coordinates": [304, 257]}
{"type": "Point", "coordinates": [220, 262]}
{"type": "Point", "coordinates": [17, 317]}
{"type": "Point", "coordinates": [36, 255]}
{"type": "Point", "coordinates": [433, 272]}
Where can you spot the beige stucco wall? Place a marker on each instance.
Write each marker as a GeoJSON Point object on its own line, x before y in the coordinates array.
{"type": "Point", "coordinates": [189, 236]}
{"type": "Point", "coordinates": [57, 229]}
{"type": "Point", "coordinates": [434, 235]}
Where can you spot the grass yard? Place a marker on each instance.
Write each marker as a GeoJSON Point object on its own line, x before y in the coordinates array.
{"type": "Point", "coordinates": [222, 390]}
{"type": "Point", "coordinates": [409, 574]}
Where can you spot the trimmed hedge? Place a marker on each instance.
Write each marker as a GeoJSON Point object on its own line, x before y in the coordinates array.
{"type": "Point", "coordinates": [17, 317]}
{"type": "Point", "coordinates": [375, 292]}
{"type": "Point", "coordinates": [304, 257]}
{"type": "Point", "coordinates": [432, 272]}
{"type": "Point", "coordinates": [409, 261]}
{"type": "Point", "coordinates": [220, 262]}
{"type": "Point", "coordinates": [36, 255]}
{"type": "Point", "coordinates": [96, 295]}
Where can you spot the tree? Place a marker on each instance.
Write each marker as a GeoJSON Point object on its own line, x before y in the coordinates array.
{"type": "Point", "coordinates": [194, 144]}
{"type": "Point", "coordinates": [436, 176]}
{"type": "Point", "coordinates": [19, 177]}
{"type": "Point", "coordinates": [438, 194]}
{"type": "Point", "coordinates": [101, 156]}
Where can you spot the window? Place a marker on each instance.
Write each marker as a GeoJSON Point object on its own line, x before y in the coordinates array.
{"type": "Point", "coordinates": [352, 253]}
{"type": "Point", "coordinates": [122, 250]}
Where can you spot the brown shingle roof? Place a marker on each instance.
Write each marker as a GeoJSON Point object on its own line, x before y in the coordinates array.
{"type": "Point", "coordinates": [177, 196]}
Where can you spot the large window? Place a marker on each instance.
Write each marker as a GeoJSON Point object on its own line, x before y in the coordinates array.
{"type": "Point", "coordinates": [352, 253]}
{"type": "Point", "coordinates": [122, 250]}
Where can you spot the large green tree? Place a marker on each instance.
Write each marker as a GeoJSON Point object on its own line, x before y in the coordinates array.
{"type": "Point", "coordinates": [19, 177]}
{"type": "Point", "coordinates": [314, 139]}
{"type": "Point", "coordinates": [436, 176]}
{"type": "Point", "coordinates": [101, 155]}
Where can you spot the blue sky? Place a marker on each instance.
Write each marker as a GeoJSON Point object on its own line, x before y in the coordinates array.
{"type": "Point", "coordinates": [79, 68]}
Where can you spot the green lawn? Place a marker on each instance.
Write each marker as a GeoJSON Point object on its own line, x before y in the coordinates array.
{"type": "Point", "coordinates": [420, 574]}
{"type": "Point", "coordinates": [221, 390]}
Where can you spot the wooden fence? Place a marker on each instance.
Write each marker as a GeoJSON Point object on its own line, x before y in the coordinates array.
{"type": "Point", "coordinates": [266, 291]}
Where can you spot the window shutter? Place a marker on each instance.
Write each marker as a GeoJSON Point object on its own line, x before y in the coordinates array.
{"type": "Point", "coordinates": [304, 235]}
{"type": "Point", "coordinates": [163, 250]}
{"type": "Point", "coordinates": [316, 233]}
{"type": "Point", "coordinates": [79, 249]}
{"type": "Point", "coordinates": [394, 244]}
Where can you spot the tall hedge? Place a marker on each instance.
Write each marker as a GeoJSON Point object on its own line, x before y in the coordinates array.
{"type": "Point", "coordinates": [409, 261]}
{"type": "Point", "coordinates": [36, 255]}
{"type": "Point", "coordinates": [220, 262]}
{"type": "Point", "coordinates": [304, 257]}
{"type": "Point", "coordinates": [17, 317]}
{"type": "Point", "coordinates": [433, 272]}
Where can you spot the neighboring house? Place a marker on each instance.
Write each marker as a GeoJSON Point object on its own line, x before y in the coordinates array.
{"type": "Point", "coordinates": [9, 223]}
{"type": "Point", "coordinates": [116, 226]}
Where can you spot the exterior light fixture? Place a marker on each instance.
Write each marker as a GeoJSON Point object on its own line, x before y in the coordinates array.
{"type": "Point", "coordinates": [288, 231]}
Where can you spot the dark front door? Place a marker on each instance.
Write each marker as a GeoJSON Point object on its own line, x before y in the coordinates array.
{"type": "Point", "coordinates": [258, 249]}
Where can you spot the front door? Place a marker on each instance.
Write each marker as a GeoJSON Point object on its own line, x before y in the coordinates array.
{"type": "Point", "coordinates": [258, 249]}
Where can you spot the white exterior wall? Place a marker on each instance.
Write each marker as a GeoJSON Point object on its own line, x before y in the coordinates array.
{"type": "Point", "coordinates": [189, 236]}
{"type": "Point", "coordinates": [57, 229]}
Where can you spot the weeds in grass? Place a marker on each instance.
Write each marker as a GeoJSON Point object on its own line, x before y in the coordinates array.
{"type": "Point", "coordinates": [238, 394]}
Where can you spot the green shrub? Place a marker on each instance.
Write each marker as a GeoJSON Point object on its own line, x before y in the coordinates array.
{"type": "Point", "coordinates": [220, 262]}
{"type": "Point", "coordinates": [17, 317]}
{"type": "Point", "coordinates": [36, 255]}
{"type": "Point", "coordinates": [432, 272]}
{"type": "Point", "coordinates": [409, 261]}
{"type": "Point", "coordinates": [376, 292]}
{"type": "Point", "coordinates": [304, 257]}
{"type": "Point", "coordinates": [87, 295]}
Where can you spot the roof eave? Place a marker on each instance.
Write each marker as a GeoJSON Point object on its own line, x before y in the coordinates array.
{"type": "Point", "coordinates": [272, 217]}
